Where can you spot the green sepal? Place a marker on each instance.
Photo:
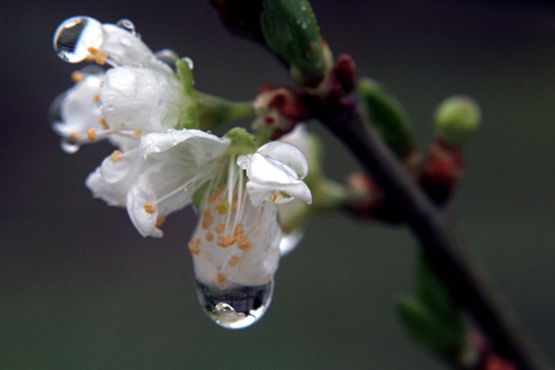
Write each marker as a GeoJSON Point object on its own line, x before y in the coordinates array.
{"type": "Point", "coordinates": [189, 117]}
{"type": "Point", "coordinates": [290, 29]}
{"type": "Point", "coordinates": [388, 117]}
{"type": "Point", "coordinates": [242, 142]}
{"type": "Point", "coordinates": [457, 118]}
{"type": "Point", "coordinates": [198, 195]}
{"type": "Point", "coordinates": [429, 330]}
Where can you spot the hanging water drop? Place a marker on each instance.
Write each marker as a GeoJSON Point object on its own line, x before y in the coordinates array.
{"type": "Point", "coordinates": [167, 56]}
{"type": "Point", "coordinates": [235, 308]}
{"type": "Point", "coordinates": [289, 241]}
{"type": "Point", "coordinates": [75, 36]}
{"type": "Point", "coordinates": [126, 25]}
{"type": "Point", "coordinates": [69, 146]}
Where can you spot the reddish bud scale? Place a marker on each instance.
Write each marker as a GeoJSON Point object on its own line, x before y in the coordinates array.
{"type": "Point", "coordinates": [344, 74]}
{"type": "Point", "coordinates": [369, 201]}
{"type": "Point", "coordinates": [441, 171]}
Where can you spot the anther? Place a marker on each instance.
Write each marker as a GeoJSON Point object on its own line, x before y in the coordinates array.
{"type": "Point", "coordinates": [226, 241]}
{"type": "Point", "coordinates": [73, 136]}
{"type": "Point", "coordinates": [149, 207]}
{"type": "Point", "coordinates": [160, 220]}
{"type": "Point", "coordinates": [220, 278]}
{"type": "Point", "coordinates": [220, 228]}
{"type": "Point", "coordinates": [103, 122]}
{"type": "Point", "coordinates": [116, 155]}
{"type": "Point", "coordinates": [233, 260]}
{"type": "Point", "coordinates": [209, 236]}
{"type": "Point", "coordinates": [96, 98]}
{"type": "Point", "coordinates": [194, 246]}
{"type": "Point", "coordinates": [91, 134]}
{"type": "Point", "coordinates": [77, 76]}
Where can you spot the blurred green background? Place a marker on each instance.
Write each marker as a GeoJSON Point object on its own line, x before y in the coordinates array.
{"type": "Point", "coordinates": [80, 289]}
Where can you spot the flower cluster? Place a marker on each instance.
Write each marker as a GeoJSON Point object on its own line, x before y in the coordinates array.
{"type": "Point", "coordinates": [140, 105]}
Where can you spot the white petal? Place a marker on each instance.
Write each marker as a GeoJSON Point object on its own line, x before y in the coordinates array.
{"type": "Point", "coordinates": [125, 49]}
{"type": "Point", "coordinates": [79, 110]}
{"type": "Point", "coordinates": [114, 177]}
{"type": "Point", "coordinates": [259, 192]}
{"type": "Point", "coordinates": [139, 98]}
{"type": "Point", "coordinates": [287, 154]}
{"type": "Point", "coordinates": [194, 145]}
{"type": "Point", "coordinates": [162, 188]}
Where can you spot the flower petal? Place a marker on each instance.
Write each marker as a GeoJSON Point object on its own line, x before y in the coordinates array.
{"type": "Point", "coordinates": [287, 154]}
{"type": "Point", "coordinates": [114, 177]}
{"type": "Point", "coordinates": [143, 99]}
{"type": "Point", "coordinates": [192, 144]}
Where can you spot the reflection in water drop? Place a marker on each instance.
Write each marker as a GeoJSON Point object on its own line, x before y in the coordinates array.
{"type": "Point", "coordinates": [167, 56]}
{"type": "Point", "coordinates": [290, 241]}
{"type": "Point", "coordinates": [235, 308]}
{"type": "Point", "coordinates": [75, 36]}
{"type": "Point", "coordinates": [126, 25]}
{"type": "Point", "coordinates": [69, 146]}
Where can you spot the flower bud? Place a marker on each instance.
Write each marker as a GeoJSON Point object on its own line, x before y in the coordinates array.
{"type": "Point", "coordinates": [457, 118]}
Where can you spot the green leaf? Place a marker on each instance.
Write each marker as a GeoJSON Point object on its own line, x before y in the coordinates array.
{"type": "Point", "coordinates": [291, 31]}
{"type": "Point", "coordinates": [432, 292]}
{"type": "Point", "coordinates": [388, 116]}
{"type": "Point", "coordinates": [430, 331]}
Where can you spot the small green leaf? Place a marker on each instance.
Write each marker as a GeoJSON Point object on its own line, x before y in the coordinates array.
{"type": "Point", "coordinates": [388, 116]}
{"type": "Point", "coordinates": [432, 292]}
{"type": "Point", "coordinates": [291, 31]}
{"type": "Point", "coordinates": [242, 142]}
{"type": "Point", "coordinates": [428, 330]}
{"type": "Point", "coordinates": [457, 119]}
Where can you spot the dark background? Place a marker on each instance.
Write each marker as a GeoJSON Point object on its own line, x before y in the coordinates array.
{"type": "Point", "coordinates": [80, 289]}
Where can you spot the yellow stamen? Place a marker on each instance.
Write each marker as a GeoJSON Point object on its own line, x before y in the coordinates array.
{"type": "Point", "coordinates": [220, 278]}
{"type": "Point", "coordinates": [99, 55]}
{"type": "Point", "coordinates": [77, 76]}
{"type": "Point", "coordinates": [149, 207]}
{"type": "Point", "coordinates": [238, 229]}
{"type": "Point", "coordinates": [226, 241]}
{"type": "Point", "coordinates": [91, 134]}
{"type": "Point", "coordinates": [220, 228]}
{"type": "Point", "coordinates": [115, 156]}
{"type": "Point", "coordinates": [233, 260]}
{"type": "Point", "coordinates": [103, 123]}
{"type": "Point", "coordinates": [221, 208]}
{"type": "Point", "coordinates": [194, 246]}
{"type": "Point", "coordinates": [96, 98]}
{"type": "Point", "coordinates": [207, 219]}
{"type": "Point", "coordinates": [138, 132]}
{"type": "Point", "coordinates": [73, 136]}
{"type": "Point", "coordinates": [243, 242]}
{"type": "Point", "coordinates": [215, 195]}
{"type": "Point", "coordinates": [209, 237]}
{"type": "Point", "coordinates": [160, 220]}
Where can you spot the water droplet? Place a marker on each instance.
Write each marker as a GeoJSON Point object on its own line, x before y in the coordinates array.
{"type": "Point", "coordinates": [126, 25]}
{"type": "Point", "coordinates": [75, 36]}
{"type": "Point", "coordinates": [290, 241]}
{"type": "Point", "coordinates": [69, 146]}
{"type": "Point", "coordinates": [235, 308]}
{"type": "Point", "coordinates": [167, 56]}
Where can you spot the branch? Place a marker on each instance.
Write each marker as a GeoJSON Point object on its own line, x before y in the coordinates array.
{"type": "Point", "coordinates": [469, 285]}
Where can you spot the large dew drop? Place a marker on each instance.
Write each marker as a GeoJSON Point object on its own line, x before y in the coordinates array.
{"type": "Point", "coordinates": [75, 36]}
{"type": "Point", "coordinates": [235, 308]}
